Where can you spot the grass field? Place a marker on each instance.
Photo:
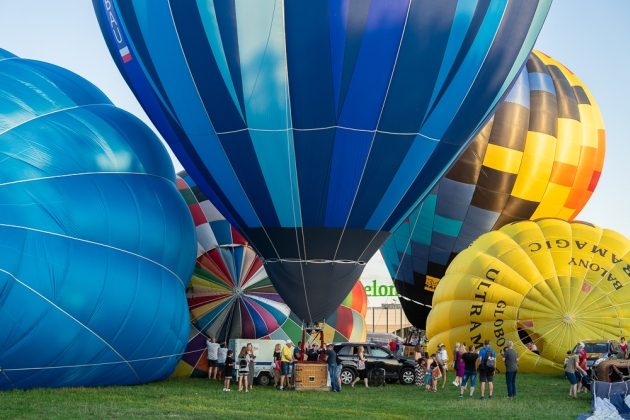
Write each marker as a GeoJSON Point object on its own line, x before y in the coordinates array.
{"type": "Point", "coordinates": [538, 396]}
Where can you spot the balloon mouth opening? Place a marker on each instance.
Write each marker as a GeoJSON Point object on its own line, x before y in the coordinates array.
{"type": "Point", "coordinates": [313, 261]}
{"type": "Point", "coordinates": [529, 337]}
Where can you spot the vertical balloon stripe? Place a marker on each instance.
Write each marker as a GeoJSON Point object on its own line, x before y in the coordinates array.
{"type": "Point", "coordinates": [466, 75]}
{"type": "Point", "coordinates": [347, 172]}
{"type": "Point", "coordinates": [361, 108]}
{"type": "Point", "coordinates": [538, 15]}
{"type": "Point", "coordinates": [419, 153]}
{"type": "Point", "coordinates": [402, 112]}
{"type": "Point", "coordinates": [463, 19]}
{"type": "Point", "coordinates": [261, 54]}
{"type": "Point", "coordinates": [208, 16]}
{"type": "Point", "coordinates": [388, 153]}
{"type": "Point", "coordinates": [239, 149]}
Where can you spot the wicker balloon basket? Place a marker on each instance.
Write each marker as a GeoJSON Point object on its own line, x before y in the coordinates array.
{"type": "Point", "coordinates": [311, 377]}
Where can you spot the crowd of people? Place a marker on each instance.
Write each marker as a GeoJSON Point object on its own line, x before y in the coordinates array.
{"type": "Point", "coordinates": [469, 365]}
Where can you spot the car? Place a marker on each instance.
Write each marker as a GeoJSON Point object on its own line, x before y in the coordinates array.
{"type": "Point", "coordinates": [383, 339]}
{"type": "Point", "coordinates": [598, 351]}
{"type": "Point", "coordinates": [397, 368]}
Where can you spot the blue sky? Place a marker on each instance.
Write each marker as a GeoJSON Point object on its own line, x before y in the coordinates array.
{"type": "Point", "coordinates": [590, 37]}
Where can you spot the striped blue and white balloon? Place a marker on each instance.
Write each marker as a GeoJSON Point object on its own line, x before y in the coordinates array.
{"type": "Point", "coordinates": [316, 126]}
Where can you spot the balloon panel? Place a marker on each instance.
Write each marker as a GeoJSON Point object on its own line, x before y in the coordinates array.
{"type": "Point", "coordinates": [230, 294]}
{"type": "Point", "coordinates": [96, 246]}
{"type": "Point", "coordinates": [347, 323]}
{"type": "Point", "coordinates": [541, 155]}
{"type": "Point", "coordinates": [550, 282]}
{"type": "Point", "coordinates": [295, 118]}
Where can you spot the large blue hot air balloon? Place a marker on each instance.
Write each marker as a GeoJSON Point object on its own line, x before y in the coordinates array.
{"type": "Point", "coordinates": [315, 126]}
{"type": "Point", "coordinates": [96, 244]}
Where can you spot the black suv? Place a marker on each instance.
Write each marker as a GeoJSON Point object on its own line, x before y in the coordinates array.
{"type": "Point", "coordinates": [397, 368]}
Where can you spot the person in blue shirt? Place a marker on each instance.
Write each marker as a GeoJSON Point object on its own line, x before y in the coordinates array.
{"type": "Point", "coordinates": [487, 366]}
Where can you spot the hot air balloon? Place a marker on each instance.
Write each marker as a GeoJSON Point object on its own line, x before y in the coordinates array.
{"type": "Point", "coordinates": [230, 294]}
{"type": "Point", "coordinates": [96, 245]}
{"type": "Point", "coordinates": [550, 282]}
{"type": "Point", "coordinates": [540, 155]}
{"type": "Point", "coordinates": [316, 126]}
{"type": "Point", "coordinates": [347, 323]}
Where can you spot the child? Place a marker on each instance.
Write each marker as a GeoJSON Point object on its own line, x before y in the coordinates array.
{"type": "Point", "coordinates": [243, 369]}
{"type": "Point", "coordinates": [227, 370]}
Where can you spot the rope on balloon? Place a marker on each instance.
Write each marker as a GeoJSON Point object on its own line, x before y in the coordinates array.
{"type": "Point", "coordinates": [146, 359]}
{"type": "Point", "coordinates": [314, 261]}
{"type": "Point", "coordinates": [413, 301]}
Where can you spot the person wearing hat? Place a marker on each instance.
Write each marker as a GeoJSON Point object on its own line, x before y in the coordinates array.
{"type": "Point", "coordinates": [285, 364]}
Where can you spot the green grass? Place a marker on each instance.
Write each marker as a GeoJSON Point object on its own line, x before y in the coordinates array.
{"type": "Point", "coordinates": [538, 396]}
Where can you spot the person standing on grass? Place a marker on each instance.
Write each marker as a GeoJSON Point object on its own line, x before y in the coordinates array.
{"type": "Point", "coordinates": [623, 348]}
{"type": "Point", "coordinates": [221, 357]}
{"type": "Point", "coordinates": [331, 361]}
{"type": "Point", "coordinates": [470, 371]}
{"type": "Point", "coordinates": [361, 367]}
{"type": "Point", "coordinates": [228, 370]}
{"type": "Point", "coordinates": [572, 365]}
{"type": "Point", "coordinates": [459, 364]}
{"type": "Point", "coordinates": [243, 369]}
{"type": "Point", "coordinates": [419, 371]}
{"type": "Point", "coordinates": [285, 364]}
{"type": "Point", "coordinates": [213, 355]}
{"type": "Point", "coordinates": [277, 364]}
{"type": "Point", "coordinates": [510, 357]}
{"type": "Point", "coordinates": [442, 359]}
{"type": "Point", "coordinates": [251, 365]}
{"type": "Point", "coordinates": [487, 365]}
{"type": "Point", "coordinates": [431, 374]}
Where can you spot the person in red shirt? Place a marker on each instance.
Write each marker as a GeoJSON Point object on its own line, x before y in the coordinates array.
{"type": "Point", "coordinates": [582, 379]}
{"type": "Point", "coordinates": [393, 345]}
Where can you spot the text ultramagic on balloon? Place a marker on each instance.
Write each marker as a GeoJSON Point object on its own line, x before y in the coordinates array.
{"type": "Point", "coordinates": [549, 282]}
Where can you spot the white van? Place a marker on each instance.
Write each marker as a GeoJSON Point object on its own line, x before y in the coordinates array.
{"type": "Point", "coordinates": [263, 350]}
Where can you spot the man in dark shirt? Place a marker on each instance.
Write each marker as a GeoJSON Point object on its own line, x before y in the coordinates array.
{"type": "Point", "coordinates": [510, 357]}
{"type": "Point", "coordinates": [470, 370]}
{"type": "Point", "coordinates": [331, 359]}
{"type": "Point", "coordinates": [313, 353]}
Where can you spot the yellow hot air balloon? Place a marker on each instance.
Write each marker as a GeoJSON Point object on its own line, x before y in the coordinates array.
{"type": "Point", "coordinates": [549, 281]}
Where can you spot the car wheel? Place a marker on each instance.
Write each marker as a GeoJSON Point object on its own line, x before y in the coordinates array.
{"type": "Point", "coordinates": [407, 376]}
{"type": "Point", "coordinates": [347, 376]}
{"type": "Point", "coordinates": [264, 379]}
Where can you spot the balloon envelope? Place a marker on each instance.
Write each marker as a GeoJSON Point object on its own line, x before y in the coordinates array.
{"type": "Point", "coordinates": [315, 126]}
{"type": "Point", "coordinates": [347, 323]}
{"type": "Point", "coordinates": [96, 245]}
{"type": "Point", "coordinates": [550, 282]}
{"type": "Point", "coordinates": [540, 155]}
{"type": "Point", "coordinates": [230, 294]}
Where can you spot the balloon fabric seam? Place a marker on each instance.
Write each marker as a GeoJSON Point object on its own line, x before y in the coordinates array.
{"type": "Point", "coordinates": [72, 318]}
{"type": "Point", "coordinates": [61, 235]}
